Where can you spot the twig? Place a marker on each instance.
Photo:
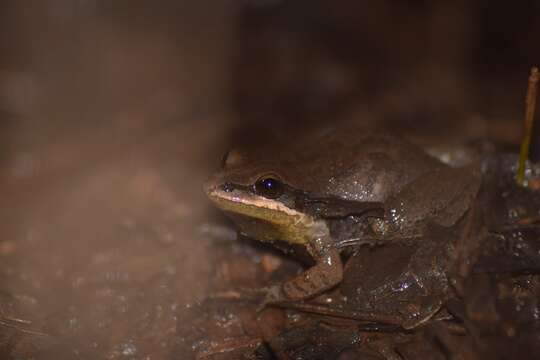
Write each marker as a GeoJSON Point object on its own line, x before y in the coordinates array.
{"type": "Point", "coordinates": [530, 102]}
{"type": "Point", "coordinates": [228, 346]}
{"type": "Point", "coordinates": [20, 329]}
{"type": "Point", "coordinates": [365, 316]}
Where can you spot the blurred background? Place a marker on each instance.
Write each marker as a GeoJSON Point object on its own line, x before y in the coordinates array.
{"type": "Point", "coordinates": [113, 113]}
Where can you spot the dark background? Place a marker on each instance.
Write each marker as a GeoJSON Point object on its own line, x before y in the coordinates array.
{"type": "Point", "coordinates": [112, 114]}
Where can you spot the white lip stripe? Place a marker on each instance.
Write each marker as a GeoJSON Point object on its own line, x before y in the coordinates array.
{"type": "Point", "coordinates": [258, 201]}
{"type": "Point", "coordinates": [306, 226]}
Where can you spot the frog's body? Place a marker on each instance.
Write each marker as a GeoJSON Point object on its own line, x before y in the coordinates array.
{"type": "Point", "coordinates": [312, 193]}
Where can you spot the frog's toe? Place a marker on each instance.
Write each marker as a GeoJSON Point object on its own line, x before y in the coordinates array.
{"type": "Point", "coordinates": [243, 294]}
{"type": "Point", "coordinates": [261, 296]}
{"type": "Point", "coordinates": [272, 295]}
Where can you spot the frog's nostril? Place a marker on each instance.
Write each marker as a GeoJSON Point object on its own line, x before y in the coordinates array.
{"type": "Point", "coordinates": [227, 187]}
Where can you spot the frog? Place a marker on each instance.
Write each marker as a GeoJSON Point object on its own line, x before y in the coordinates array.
{"type": "Point", "coordinates": [345, 187]}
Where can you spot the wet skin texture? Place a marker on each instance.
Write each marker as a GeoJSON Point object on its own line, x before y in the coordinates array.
{"type": "Point", "coordinates": [345, 188]}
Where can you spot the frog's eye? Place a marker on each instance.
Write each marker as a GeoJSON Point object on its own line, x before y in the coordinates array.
{"type": "Point", "coordinates": [269, 187]}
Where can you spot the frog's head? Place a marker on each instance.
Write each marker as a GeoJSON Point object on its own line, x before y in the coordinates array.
{"type": "Point", "coordinates": [260, 199]}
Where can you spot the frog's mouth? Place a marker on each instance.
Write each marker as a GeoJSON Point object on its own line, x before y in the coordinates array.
{"type": "Point", "coordinates": [266, 219]}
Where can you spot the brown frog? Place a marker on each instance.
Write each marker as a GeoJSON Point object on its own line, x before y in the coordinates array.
{"type": "Point", "coordinates": [346, 187]}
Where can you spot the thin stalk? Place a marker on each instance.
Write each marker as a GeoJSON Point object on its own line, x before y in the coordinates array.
{"type": "Point", "coordinates": [530, 103]}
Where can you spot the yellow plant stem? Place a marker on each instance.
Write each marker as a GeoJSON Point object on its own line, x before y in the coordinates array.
{"type": "Point", "coordinates": [530, 103]}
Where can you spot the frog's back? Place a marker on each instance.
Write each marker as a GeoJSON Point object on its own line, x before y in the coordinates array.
{"type": "Point", "coordinates": [364, 166]}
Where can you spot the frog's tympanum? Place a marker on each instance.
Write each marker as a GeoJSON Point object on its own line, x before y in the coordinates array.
{"type": "Point", "coordinates": [345, 187]}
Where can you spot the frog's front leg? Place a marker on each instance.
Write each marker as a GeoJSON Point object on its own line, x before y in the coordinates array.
{"type": "Point", "coordinates": [325, 274]}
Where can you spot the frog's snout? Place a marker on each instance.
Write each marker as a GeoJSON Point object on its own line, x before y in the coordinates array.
{"type": "Point", "coordinates": [215, 188]}
{"type": "Point", "coordinates": [210, 186]}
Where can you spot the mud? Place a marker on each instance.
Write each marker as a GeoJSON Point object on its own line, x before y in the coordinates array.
{"type": "Point", "coordinates": [113, 115]}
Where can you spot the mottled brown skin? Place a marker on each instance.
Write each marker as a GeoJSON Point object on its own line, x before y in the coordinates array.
{"type": "Point", "coordinates": [378, 178]}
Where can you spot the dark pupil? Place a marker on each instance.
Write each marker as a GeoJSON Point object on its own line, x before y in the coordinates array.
{"type": "Point", "coordinates": [269, 187]}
